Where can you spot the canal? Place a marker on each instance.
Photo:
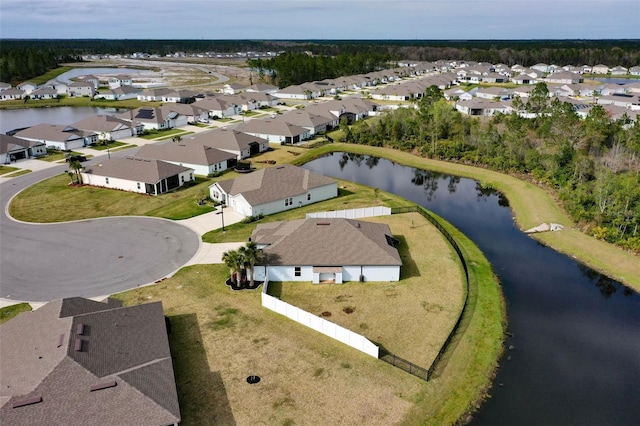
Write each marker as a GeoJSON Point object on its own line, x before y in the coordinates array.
{"type": "Point", "coordinates": [572, 354]}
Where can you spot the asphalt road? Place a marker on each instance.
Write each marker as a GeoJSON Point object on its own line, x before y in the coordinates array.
{"type": "Point", "coordinates": [97, 257]}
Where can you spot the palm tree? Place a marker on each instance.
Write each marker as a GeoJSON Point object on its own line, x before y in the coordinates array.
{"type": "Point", "coordinates": [76, 167]}
{"type": "Point", "coordinates": [232, 259]}
{"type": "Point", "coordinates": [252, 255]}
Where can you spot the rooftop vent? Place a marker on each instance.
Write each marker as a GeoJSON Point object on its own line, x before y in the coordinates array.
{"type": "Point", "coordinates": [61, 340]}
{"type": "Point", "coordinates": [78, 345]}
{"type": "Point", "coordinates": [28, 401]}
{"type": "Point", "coordinates": [101, 386]}
{"type": "Point", "coordinates": [80, 329]}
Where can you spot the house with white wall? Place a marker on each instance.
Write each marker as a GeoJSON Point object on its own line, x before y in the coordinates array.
{"type": "Point", "coordinates": [327, 250]}
{"type": "Point", "coordinates": [58, 136]}
{"type": "Point", "coordinates": [242, 145]}
{"type": "Point", "coordinates": [81, 88]}
{"type": "Point", "coordinates": [108, 127]}
{"type": "Point", "coordinates": [204, 160]}
{"type": "Point", "coordinates": [276, 131]}
{"type": "Point", "coordinates": [14, 149]}
{"type": "Point", "coordinates": [137, 174]}
{"type": "Point", "coordinates": [273, 189]}
{"type": "Point", "coordinates": [154, 118]}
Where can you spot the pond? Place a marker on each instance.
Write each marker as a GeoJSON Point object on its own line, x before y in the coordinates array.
{"type": "Point", "coordinates": [98, 72]}
{"type": "Point", "coordinates": [11, 119]}
{"type": "Point", "coordinates": [573, 351]}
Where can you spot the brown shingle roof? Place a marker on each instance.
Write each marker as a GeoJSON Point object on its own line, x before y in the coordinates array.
{"type": "Point", "coordinates": [138, 169]}
{"type": "Point", "coordinates": [274, 183]}
{"type": "Point", "coordinates": [124, 348]}
{"type": "Point", "coordinates": [326, 242]}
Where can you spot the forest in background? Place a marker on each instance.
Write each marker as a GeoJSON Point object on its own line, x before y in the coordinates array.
{"type": "Point", "coordinates": [592, 165]}
{"type": "Point", "coordinates": [22, 59]}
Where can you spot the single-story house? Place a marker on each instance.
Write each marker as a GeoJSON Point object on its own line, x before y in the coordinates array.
{"type": "Point", "coordinates": [619, 70]}
{"type": "Point", "coordinates": [27, 86]}
{"type": "Point", "coordinates": [58, 136]}
{"type": "Point", "coordinates": [218, 107]}
{"type": "Point", "coordinates": [109, 127]}
{"type": "Point", "coordinates": [137, 174]}
{"type": "Point", "coordinates": [12, 94]}
{"type": "Point", "coordinates": [564, 77]}
{"type": "Point", "coordinates": [276, 131]}
{"type": "Point", "coordinates": [600, 69]}
{"type": "Point", "coordinates": [14, 149]}
{"type": "Point", "coordinates": [118, 94]}
{"type": "Point", "coordinates": [154, 118]}
{"type": "Point", "coordinates": [78, 362]}
{"type": "Point", "coordinates": [44, 93]}
{"type": "Point", "coordinates": [494, 93]}
{"type": "Point", "coordinates": [478, 106]}
{"type": "Point", "coordinates": [180, 96]}
{"type": "Point", "coordinates": [262, 88]}
{"type": "Point", "coordinates": [457, 94]}
{"type": "Point", "coordinates": [313, 122]}
{"type": "Point", "coordinates": [154, 95]}
{"type": "Point", "coordinates": [242, 145]}
{"type": "Point", "coordinates": [204, 160]}
{"type": "Point", "coordinates": [273, 189]}
{"type": "Point", "coordinates": [327, 250]}
{"type": "Point", "coordinates": [194, 113]}
{"type": "Point", "coordinates": [233, 88]}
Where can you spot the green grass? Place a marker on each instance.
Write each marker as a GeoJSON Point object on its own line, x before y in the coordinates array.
{"type": "Point", "coordinates": [18, 173]}
{"type": "Point", "coordinates": [55, 155]}
{"type": "Point", "coordinates": [531, 205]}
{"type": "Point", "coordinates": [9, 312]}
{"type": "Point", "coordinates": [111, 145]}
{"type": "Point", "coordinates": [75, 102]}
{"type": "Point", "coordinates": [8, 169]}
{"type": "Point", "coordinates": [181, 134]}
{"type": "Point", "coordinates": [154, 134]}
{"type": "Point", "coordinates": [53, 200]}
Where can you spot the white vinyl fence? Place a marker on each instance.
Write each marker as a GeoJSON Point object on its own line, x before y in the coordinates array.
{"type": "Point", "coordinates": [321, 325]}
{"type": "Point", "coordinates": [351, 213]}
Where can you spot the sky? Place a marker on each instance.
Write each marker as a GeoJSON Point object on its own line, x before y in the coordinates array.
{"type": "Point", "coordinates": [325, 19]}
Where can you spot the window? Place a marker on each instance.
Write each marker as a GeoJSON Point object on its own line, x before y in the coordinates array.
{"type": "Point", "coordinates": [138, 185]}
{"type": "Point", "coordinates": [288, 201]}
{"type": "Point", "coordinates": [309, 197]}
{"type": "Point", "coordinates": [182, 178]}
{"type": "Point", "coordinates": [106, 180]}
{"type": "Point", "coordinates": [297, 271]}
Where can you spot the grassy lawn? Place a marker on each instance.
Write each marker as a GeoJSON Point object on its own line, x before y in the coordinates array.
{"type": "Point", "coordinates": [111, 145]}
{"type": "Point", "coordinates": [181, 134]}
{"type": "Point", "coordinates": [53, 200]}
{"type": "Point", "coordinates": [530, 204]}
{"type": "Point", "coordinates": [55, 155]}
{"type": "Point", "coordinates": [20, 172]}
{"type": "Point", "coordinates": [220, 337]}
{"type": "Point", "coordinates": [154, 134]}
{"type": "Point", "coordinates": [8, 169]}
{"type": "Point", "coordinates": [83, 101]}
{"type": "Point", "coordinates": [9, 312]}
{"type": "Point", "coordinates": [431, 293]}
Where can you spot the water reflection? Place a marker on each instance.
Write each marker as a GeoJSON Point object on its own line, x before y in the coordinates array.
{"type": "Point", "coordinates": [574, 333]}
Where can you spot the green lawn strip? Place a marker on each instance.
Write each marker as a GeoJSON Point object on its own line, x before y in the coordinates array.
{"type": "Point", "coordinates": [9, 312]}
{"type": "Point", "coordinates": [18, 173]}
{"type": "Point", "coordinates": [83, 101]}
{"type": "Point", "coordinates": [53, 200]}
{"type": "Point", "coordinates": [530, 204]}
{"type": "Point", "coordinates": [8, 169]}
{"type": "Point", "coordinates": [54, 155]}
{"type": "Point", "coordinates": [111, 146]}
{"type": "Point", "coordinates": [180, 134]}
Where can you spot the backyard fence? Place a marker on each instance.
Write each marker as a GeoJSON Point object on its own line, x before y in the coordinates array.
{"type": "Point", "coordinates": [351, 213]}
{"type": "Point", "coordinates": [319, 324]}
{"type": "Point", "coordinates": [406, 365]}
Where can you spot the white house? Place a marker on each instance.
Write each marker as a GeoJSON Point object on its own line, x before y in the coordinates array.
{"type": "Point", "coordinates": [108, 127]}
{"type": "Point", "coordinates": [137, 174]}
{"type": "Point", "coordinates": [327, 250]}
{"type": "Point", "coordinates": [14, 149]}
{"type": "Point", "coordinates": [120, 93]}
{"type": "Point", "coordinates": [81, 88]}
{"type": "Point", "coordinates": [154, 118]}
{"type": "Point", "coordinates": [204, 160]}
{"type": "Point", "coordinates": [120, 80]}
{"type": "Point", "coordinates": [478, 106]}
{"type": "Point", "coordinates": [242, 145]}
{"type": "Point", "coordinates": [276, 131]}
{"type": "Point", "coordinates": [58, 136]}
{"type": "Point", "coordinates": [273, 189]}
{"type": "Point", "coordinates": [12, 94]}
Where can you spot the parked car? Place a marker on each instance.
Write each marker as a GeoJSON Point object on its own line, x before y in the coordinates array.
{"type": "Point", "coordinates": [80, 158]}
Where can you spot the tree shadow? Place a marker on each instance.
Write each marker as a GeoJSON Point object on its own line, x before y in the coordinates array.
{"type": "Point", "coordinates": [201, 392]}
{"type": "Point", "coordinates": [409, 267]}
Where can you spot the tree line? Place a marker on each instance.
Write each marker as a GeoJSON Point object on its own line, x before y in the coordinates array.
{"type": "Point", "coordinates": [23, 59]}
{"type": "Point", "coordinates": [592, 164]}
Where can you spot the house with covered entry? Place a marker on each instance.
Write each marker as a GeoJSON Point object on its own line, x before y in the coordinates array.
{"type": "Point", "coordinates": [242, 145]}
{"type": "Point", "coordinates": [273, 189]}
{"type": "Point", "coordinates": [203, 159]}
{"type": "Point", "coordinates": [137, 174]}
{"type": "Point", "coordinates": [78, 362]}
{"type": "Point", "coordinates": [58, 136]}
{"type": "Point", "coordinates": [108, 127]}
{"type": "Point", "coordinates": [326, 250]}
{"type": "Point", "coordinates": [154, 118]}
{"type": "Point", "coordinates": [276, 131]}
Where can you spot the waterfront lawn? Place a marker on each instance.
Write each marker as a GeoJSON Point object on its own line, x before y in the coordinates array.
{"type": "Point", "coordinates": [9, 312]}
{"type": "Point", "coordinates": [53, 200]}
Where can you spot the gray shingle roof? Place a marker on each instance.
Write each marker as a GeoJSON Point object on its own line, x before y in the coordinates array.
{"type": "Point", "coordinates": [225, 139]}
{"type": "Point", "coordinates": [326, 242]}
{"type": "Point", "coordinates": [138, 169]}
{"type": "Point", "coordinates": [274, 183]}
{"type": "Point", "coordinates": [125, 349]}
{"type": "Point", "coordinates": [184, 152]}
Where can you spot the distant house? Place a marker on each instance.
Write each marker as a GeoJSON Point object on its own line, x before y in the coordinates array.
{"type": "Point", "coordinates": [634, 70]}
{"type": "Point", "coordinates": [233, 88]}
{"type": "Point", "coordinates": [119, 80]}
{"type": "Point", "coordinates": [276, 131]}
{"type": "Point", "coordinates": [194, 113]}
{"type": "Point", "coordinates": [108, 127]}
{"type": "Point", "coordinates": [204, 160]}
{"type": "Point", "coordinates": [327, 250]}
{"type": "Point", "coordinates": [482, 107]}
{"type": "Point", "coordinates": [261, 88]}
{"type": "Point", "coordinates": [44, 93]}
{"type": "Point", "coordinates": [564, 77]}
{"type": "Point", "coordinates": [180, 96]}
{"type": "Point", "coordinates": [137, 174]}
{"type": "Point", "coordinates": [27, 86]}
{"type": "Point", "coordinates": [242, 145]}
{"type": "Point", "coordinates": [600, 69]}
{"type": "Point", "coordinates": [273, 189]}
{"type": "Point", "coordinates": [154, 95]}
{"type": "Point", "coordinates": [14, 149]}
{"type": "Point", "coordinates": [120, 93]}
{"type": "Point", "coordinates": [12, 94]}
{"type": "Point", "coordinates": [218, 107]}
{"type": "Point", "coordinates": [313, 122]}
{"type": "Point", "coordinates": [58, 136]}
{"type": "Point", "coordinates": [619, 70]}
{"type": "Point", "coordinates": [81, 88]}
{"type": "Point", "coordinates": [78, 362]}
{"type": "Point", "coordinates": [456, 94]}
{"type": "Point", "coordinates": [154, 118]}
{"type": "Point", "coordinates": [494, 93]}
